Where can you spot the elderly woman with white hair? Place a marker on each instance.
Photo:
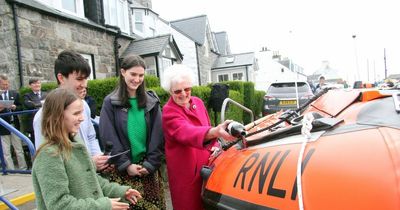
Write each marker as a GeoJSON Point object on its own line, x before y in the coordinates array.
{"type": "Point", "coordinates": [189, 138]}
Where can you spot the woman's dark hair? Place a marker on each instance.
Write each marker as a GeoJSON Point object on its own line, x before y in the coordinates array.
{"type": "Point", "coordinates": [128, 62]}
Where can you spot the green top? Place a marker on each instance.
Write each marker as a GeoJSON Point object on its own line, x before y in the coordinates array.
{"type": "Point", "coordinates": [137, 131]}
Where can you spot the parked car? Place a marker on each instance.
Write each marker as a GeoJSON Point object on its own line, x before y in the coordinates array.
{"type": "Point", "coordinates": [361, 84]}
{"type": "Point", "coordinates": [282, 96]}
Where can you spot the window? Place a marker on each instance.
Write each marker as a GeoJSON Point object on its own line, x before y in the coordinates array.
{"type": "Point", "coordinates": [89, 59]}
{"type": "Point", "coordinates": [151, 65]}
{"type": "Point", "coordinates": [139, 25]}
{"type": "Point", "coordinates": [151, 72]}
{"type": "Point", "coordinates": [116, 14]}
{"type": "Point", "coordinates": [71, 7]}
{"type": "Point", "coordinates": [166, 63]}
{"type": "Point", "coordinates": [152, 25]}
{"type": "Point", "coordinates": [289, 87]}
{"type": "Point", "coordinates": [237, 76]}
{"type": "Point", "coordinates": [223, 77]}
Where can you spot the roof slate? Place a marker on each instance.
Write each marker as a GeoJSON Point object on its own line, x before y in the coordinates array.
{"type": "Point", "coordinates": [194, 27]}
{"type": "Point", "coordinates": [243, 59]}
{"type": "Point", "coordinates": [153, 45]}
{"type": "Point", "coordinates": [220, 37]}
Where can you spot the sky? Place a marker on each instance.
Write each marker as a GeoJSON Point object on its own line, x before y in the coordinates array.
{"type": "Point", "coordinates": [307, 31]}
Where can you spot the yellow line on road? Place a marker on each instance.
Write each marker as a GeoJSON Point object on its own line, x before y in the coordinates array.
{"type": "Point", "coordinates": [19, 200]}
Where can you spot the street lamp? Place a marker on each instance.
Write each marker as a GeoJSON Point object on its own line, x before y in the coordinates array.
{"type": "Point", "coordinates": [356, 57]}
{"type": "Point", "coordinates": [295, 69]}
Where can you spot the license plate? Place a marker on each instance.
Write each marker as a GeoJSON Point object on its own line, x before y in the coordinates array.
{"type": "Point", "coordinates": [287, 102]}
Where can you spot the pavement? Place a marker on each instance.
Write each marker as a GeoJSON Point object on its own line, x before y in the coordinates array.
{"type": "Point", "coordinates": [19, 190]}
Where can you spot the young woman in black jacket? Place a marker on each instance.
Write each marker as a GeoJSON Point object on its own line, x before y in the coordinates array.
{"type": "Point", "coordinates": [131, 120]}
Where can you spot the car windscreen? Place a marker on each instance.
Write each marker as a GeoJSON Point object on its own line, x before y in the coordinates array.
{"type": "Point", "coordinates": [288, 87]}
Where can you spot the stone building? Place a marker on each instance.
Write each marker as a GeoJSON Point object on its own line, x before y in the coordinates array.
{"type": "Point", "coordinates": [33, 32]}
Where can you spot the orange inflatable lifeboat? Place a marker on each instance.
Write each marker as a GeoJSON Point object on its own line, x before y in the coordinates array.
{"type": "Point", "coordinates": [349, 159]}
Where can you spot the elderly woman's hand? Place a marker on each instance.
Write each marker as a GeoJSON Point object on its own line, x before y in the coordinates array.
{"type": "Point", "coordinates": [215, 151]}
{"type": "Point", "coordinates": [220, 132]}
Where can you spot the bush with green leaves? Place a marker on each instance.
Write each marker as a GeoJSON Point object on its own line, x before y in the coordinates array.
{"type": "Point", "coordinates": [162, 94]}
{"type": "Point", "coordinates": [151, 81]}
{"type": "Point", "coordinates": [258, 102]}
{"type": "Point", "coordinates": [232, 112]}
{"type": "Point", "coordinates": [241, 92]}
{"type": "Point", "coordinates": [100, 88]}
{"type": "Point", "coordinates": [248, 101]}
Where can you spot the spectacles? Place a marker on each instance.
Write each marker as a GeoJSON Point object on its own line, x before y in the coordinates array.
{"type": "Point", "coordinates": [187, 90]}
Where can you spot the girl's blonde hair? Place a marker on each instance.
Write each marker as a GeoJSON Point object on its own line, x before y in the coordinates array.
{"type": "Point", "coordinates": [53, 127]}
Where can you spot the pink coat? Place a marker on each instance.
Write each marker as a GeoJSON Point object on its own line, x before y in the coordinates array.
{"type": "Point", "coordinates": [184, 132]}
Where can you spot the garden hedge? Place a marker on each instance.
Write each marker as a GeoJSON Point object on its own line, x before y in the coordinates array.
{"type": "Point", "coordinates": [241, 92]}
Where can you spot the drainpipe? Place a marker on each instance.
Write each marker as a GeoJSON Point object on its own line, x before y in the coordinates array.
{"type": "Point", "coordinates": [18, 43]}
{"type": "Point", "coordinates": [247, 74]}
{"type": "Point", "coordinates": [157, 67]}
{"type": "Point", "coordinates": [198, 64]}
{"type": "Point", "coordinates": [116, 47]}
{"type": "Point", "coordinates": [102, 19]}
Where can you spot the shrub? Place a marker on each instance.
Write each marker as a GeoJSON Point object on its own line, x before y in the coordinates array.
{"type": "Point", "coordinates": [248, 101]}
{"type": "Point", "coordinates": [258, 102]}
{"type": "Point", "coordinates": [100, 88]}
{"type": "Point", "coordinates": [151, 81]}
{"type": "Point", "coordinates": [202, 92]}
{"type": "Point", "coordinates": [232, 112]}
{"type": "Point", "coordinates": [236, 85]}
{"type": "Point", "coordinates": [162, 94]}
{"type": "Point", "coordinates": [241, 92]}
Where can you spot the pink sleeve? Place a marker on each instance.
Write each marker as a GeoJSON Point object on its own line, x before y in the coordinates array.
{"type": "Point", "coordinates": [181, 128]}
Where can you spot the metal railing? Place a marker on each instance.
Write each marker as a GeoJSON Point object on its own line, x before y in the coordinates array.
{"type": "Point", "coordinates": [20, 135]}
{"type": "Point", "coordinates": [25, 139]}
{"type": "Point", "coordinates": [225, 103]}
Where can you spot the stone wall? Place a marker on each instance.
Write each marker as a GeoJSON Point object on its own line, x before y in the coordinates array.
{"type": "Point", "coordinates": [43, 37]}
{"type": "Point", "coordinates": [8, 49]}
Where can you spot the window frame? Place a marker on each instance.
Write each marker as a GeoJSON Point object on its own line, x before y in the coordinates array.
{"type": "Point", "coordinates": [114, 16]}
{"type": "Point", "coordinates": [58, 5]}
{"type": "Point", "coordinates": [89, 58]}
{"type": "Point", "coordinates": [151, 65]}
{"type": "Point", "coordinates": [223, 75]}
{"type": "Point", "coordinates": [237, 73]}
{"type": "Point", "coordinates": [136, 21]}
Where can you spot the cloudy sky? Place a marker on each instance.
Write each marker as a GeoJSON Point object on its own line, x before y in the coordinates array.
{"type": "Point", "coordinates": [308, 31]}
